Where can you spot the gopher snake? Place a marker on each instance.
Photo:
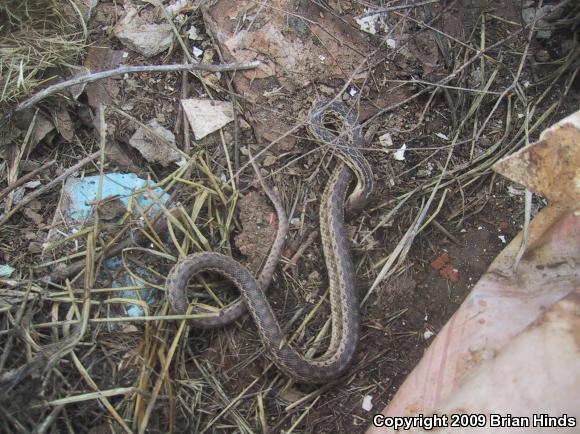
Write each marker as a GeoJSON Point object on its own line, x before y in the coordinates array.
{"type": "Point", "coordinates": [343, 299]}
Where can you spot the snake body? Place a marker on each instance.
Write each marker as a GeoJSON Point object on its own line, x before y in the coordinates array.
{"type": "Point", "coordinates": [343, 298]}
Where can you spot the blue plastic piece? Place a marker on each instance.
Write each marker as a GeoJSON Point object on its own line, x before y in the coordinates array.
{"type": "Point", "coordinates": [82, 193]}
{"type": "Point", "coordinates": [81, 197]}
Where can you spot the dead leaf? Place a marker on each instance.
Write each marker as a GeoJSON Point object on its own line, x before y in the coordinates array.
{"type": "Point", "coordinates": [42, 127]}
{"type": "Point", "coordinates": [102, 91]}
{"type": "Point", "coordinates": [64, 124]}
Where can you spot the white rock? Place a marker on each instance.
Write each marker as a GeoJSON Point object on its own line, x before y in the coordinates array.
{"type": "Point", "coordinates": [372, 24]}
{"type": "Point", "coordinates": [368, 24]}
{"type": "Point", "coordinates": [206, 116]}
{"type": "Point", "coordinates": [367, 403]}
{"type": "Point", "coordinates": [193, 33]}
{"type": "Point", "coordinates": [386, 140]}
{"type": "Point", "coordinates": [177, 7]}
{"type": "Point", "coordinates": [142, 37]}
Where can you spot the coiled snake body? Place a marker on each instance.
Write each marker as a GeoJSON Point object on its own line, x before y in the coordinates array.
{"type": "Point", "coordinates": [343, 298]}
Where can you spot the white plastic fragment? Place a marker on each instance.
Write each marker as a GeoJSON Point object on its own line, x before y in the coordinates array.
{"type": "Point", "coordinates": [428, 334]}
{"type": "Point", "coordinates": [399, 154]}
{"type": "Point", "coordinates": [442, 136]}
{"type": "Point", "coordinates": [502, 238]}
{"type": "Point", "coordinates": [367, 403]}
{"type": "Point", "coordinates": [391, 43]}
{"type": "Point", "coordinates": [197, 52]}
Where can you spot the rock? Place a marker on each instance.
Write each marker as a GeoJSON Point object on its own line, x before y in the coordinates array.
{"type": "Point", "coordinates": [146, 39]}
{"type": "Point", "coordinates": [206, 116]}
{"type": "Point", "coordinates": [154, 149]}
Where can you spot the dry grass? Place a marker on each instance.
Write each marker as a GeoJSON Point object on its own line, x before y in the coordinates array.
{"type": "Point", "coordinates": [36, 36]}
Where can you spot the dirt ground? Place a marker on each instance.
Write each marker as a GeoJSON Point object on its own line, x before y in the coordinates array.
{"type": "Point", "coordinates": [420, 81]}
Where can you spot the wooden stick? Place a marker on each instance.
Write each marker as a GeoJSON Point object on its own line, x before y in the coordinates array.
{"type": "Point", "coordinates": [126, 70]}
{"type": "Point", "coordinates": [296, 257]}
{"type": "Point", "coordinates": [25, 179]}
{"type": "Point", "coordinates": [396, 8]}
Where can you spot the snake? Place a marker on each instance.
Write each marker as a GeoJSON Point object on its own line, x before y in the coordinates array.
{"type": "Point", "coordinates": [346, 141]}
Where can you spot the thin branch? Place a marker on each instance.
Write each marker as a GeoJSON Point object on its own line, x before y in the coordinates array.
{"type": "Point", "coordinates": [127, 70]}
{"type": "Point", "coordinates": [29, 198]}
{"type": "Point", "coordinates": [24, 179]}
{"type": "Point", "coordinates": [396, 8]}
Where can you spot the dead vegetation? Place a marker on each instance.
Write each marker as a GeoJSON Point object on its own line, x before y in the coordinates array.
{"type": "Point", "coordinates": [481, 86]}
{"type": "Point", "coordinates": [35, 37]}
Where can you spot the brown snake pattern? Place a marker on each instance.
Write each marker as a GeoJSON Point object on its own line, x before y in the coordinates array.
{"type": "Point", "coordinates": [343, 298]}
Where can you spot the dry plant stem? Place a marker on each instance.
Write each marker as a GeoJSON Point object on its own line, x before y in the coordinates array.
{"type": "Point", "coordinates": [19, 315]}
{"type": "Point", "coordinates": [182, 116]}
{"type": "Point", "coordinates": [36, 193]}
{"type": "Point", "coordinates": [296, 257]}
{"type": "Point", "coordinates": [143, 423]}
{"type": "Point", "coordinates": [104, 401]}
{"type": "Point", "coordinates": [24, 179]}
{"type": "Point", "coordinates": [229, 79]}
{"type": "Point", "coordinates": [445, 232]}
{"type": "Point", "coordinates": [50, 90]}
{"type": "Point", "coordinates": [397, 8]}
{"type": "Point", "coordinates": [444, 80]}
{"type": "Point", "coordinates": [50, 419]}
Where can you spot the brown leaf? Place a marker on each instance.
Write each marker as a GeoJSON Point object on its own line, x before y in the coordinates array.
{"type": "Point", "coordinates": [64, 124]}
